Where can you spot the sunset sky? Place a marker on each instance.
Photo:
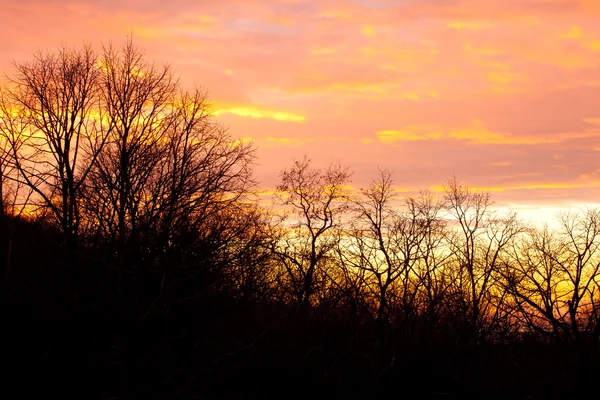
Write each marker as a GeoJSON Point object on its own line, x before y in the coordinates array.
{"type": "Point", "coordinates": [505, 94]}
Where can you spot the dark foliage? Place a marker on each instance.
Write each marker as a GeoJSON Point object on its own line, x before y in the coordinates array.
{"type": "Point", "coordinates": [68, 332]}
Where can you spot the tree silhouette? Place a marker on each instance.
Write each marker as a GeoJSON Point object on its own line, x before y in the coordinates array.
{"type": "Point", "coordinates": [51, 118]}
{"type": "Point", "coordinates": [317, 199]}
{"type": "Point", "coordinates": [392, 245]}
{"type": "Point", "coordinates": [136, 99]}
{"type": "Point", "coordinates": [553, 276]}
{"type": "Point", "coordinates": [479, 245]}
{"type": "Point", "coordinates": [123, 157]}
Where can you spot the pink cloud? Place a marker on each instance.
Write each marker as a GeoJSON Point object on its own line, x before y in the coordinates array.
{"type": "Point", "coordinates": [527, 69]}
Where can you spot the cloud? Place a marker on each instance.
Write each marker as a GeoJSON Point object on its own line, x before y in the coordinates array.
{"type": "Point", "coordinates": [259, 113]}
{"type": "Point", "coordinates": [367, 30]}
{"type": "Point", "coordinates": [476, 133]}
{"type": "Point", "coordinates": [409, 133]}
{"type": "Point", "coordinates": [501, 92]}
{"type": "Point", "coordinates": [288, 140]}
{"type": "Point", "coordinates": [468, 25]}
{"type": "Point", "coordinates": [574, 32]}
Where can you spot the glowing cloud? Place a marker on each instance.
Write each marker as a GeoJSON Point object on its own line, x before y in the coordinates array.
{"type": "Point", "coordinates": [367, 30]}
{"type": "Point", "coordinates": [288, 140]}
{"type": "Point", "coordinates": [468, 25]}
{"type": "Point", "coordinates": [592, 121]}
{"type": "Point", "coordinates": [531, 186]}
{"type": "Point", "coordinates": [258, 113]}
{"type": "Point", "coordinates": [410, 134]}
{"type": "Point", "coordinates": [574, 32]}
{"type": "Point", "coordinates": [593, 45]}
{"type": "Point", "coordinates": [483, 50]}
{"type": "Point", "coordinates": [479, 134]}
{"type": "Point", "coordinates": [504, 93]}
{"type": "Point", "coordinates": [476, 133]}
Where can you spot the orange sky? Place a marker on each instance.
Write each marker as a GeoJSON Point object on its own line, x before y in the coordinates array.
{"type": "Point", "coordinates": [505, 94]}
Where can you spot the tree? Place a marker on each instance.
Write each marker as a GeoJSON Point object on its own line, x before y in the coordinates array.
{"type": "Point", "coordinates": [136, 99]}
{"type": "Point", "coordinates": [554, 278]}
{"type": "Point", "coordinates": [51, 119]}
{"type": "Point", "coordinates": [14, 195]}
{"type": "Point", "coordinates": [479, 245]}
{"type": "Point", "coordinates": [167, 170]}
{"type": "Point", "coordinates": [122, 156]}
{"type": "Point", "coordinates": [317, 200]}
{"type": "Point", "coordinates": [393, 246]}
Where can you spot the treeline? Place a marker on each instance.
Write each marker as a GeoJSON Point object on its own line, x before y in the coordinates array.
{"type": "Point", "coordinates": [127, 208]}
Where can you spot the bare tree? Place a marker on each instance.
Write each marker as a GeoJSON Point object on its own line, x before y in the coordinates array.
{"type": "Point", "coordinates": [317, 199]}
{"type": "Point", "coordinates": [168, 171]}
{"type": "Point", "coordinates": [202, 171]}
{"type": "Point", "coordinates": [198, 201]}
{"type": "Point", "coordinates": [479, 245]}
{"type": "Point", "coordinates": [136, 101]}
{"type": "Point", "coordinates": [51, 120]}
{"type": "Point", "coordinates": [554, 277]}
{"type": "Point", "coordinates": [7, 177]}
{"type": "Point", "coordinates": [14, 195]}
{"type": "Point", "coordinates": [433, 269]}
{"type": "Point", "coordinates": [391, 245]}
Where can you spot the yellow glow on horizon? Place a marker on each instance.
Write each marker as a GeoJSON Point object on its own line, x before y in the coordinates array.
{"type": "Point", "coordinates": [532, 186]}
{"type": "Point", "coordinates": [345, 187]}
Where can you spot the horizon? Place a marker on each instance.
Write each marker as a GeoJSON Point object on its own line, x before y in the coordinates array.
{"type": "Point", "coordinates": [502, 95]}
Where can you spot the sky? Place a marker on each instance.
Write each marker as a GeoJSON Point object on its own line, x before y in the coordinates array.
{"type": "Point", "coordinates": [502, 94]}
